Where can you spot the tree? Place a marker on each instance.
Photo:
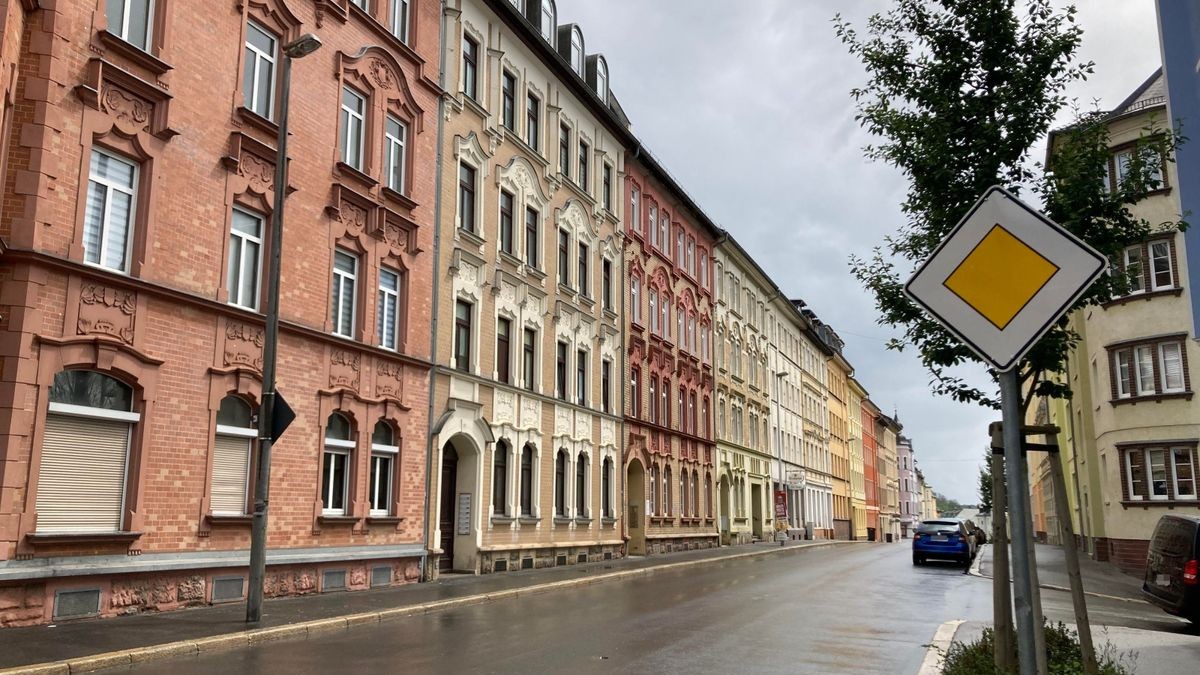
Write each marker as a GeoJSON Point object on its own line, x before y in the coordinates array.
{"type": "Point", "coordinates": [958, 93]}
{"type": "Point", "coordinates": [946, 505]}
{"type": "Point", "coordinates": [985, 482]}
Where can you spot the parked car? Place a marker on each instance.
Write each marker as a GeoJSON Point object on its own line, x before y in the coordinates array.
{"type": "Point", "coordinates": [1173, 566]}
{"type": "Point", "coordinates": [944, 539]}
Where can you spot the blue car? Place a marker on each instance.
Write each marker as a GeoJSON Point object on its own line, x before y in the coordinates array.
{"type": "Point", "coordinates": [945, 539]}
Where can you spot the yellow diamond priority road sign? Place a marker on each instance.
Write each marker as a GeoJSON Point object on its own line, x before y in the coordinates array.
{"type": "Point", "coordinates": [1003, 276]}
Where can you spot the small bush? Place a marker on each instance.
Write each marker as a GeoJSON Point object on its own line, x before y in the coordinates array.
{"type": "Point", "coordinates": [1063, 656]}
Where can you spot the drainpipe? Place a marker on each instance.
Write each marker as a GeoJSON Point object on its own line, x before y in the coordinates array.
{"type": "Point", "coordinates": [437, 226]}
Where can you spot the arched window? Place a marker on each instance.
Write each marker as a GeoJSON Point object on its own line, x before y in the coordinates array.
{"type": "Point", "coordinates": [85, 443]}
{"type": "Point", "coordinates": [606, 486]}
{"type": "Point", "coordinates": [560, 483]}
{"type": "Point", "coordinates": [500, 479]}
{"type": "Point", "coordinates": [666, 491]}
{"type": "Point", "coordinates": [335, 464]}
{"type": "Point", "coordinates": [655, 502]}
{"type": "Point", "coordinates": [683, 493]}
{"type": "Point", "coordinates": [708, 497]}
{"type": "Point", "coordinates": [549, 20]}
{"type": "Point", "coordinates": [577, 50]}
{"type": "Point", "coordinates": [232, 446]}
{"type": "Point", "coordinates": [581, 485]}
{"type": "Point", "coordinates": [602, 79]}
{"type": "Point", "coordinates": [653, 399]}
{"type": "Point", "coordinates": [527, 481]}
{"type": "Point", "coordinates": [385, 453]}
{"type": "Point", "coordinates": [695, 496]}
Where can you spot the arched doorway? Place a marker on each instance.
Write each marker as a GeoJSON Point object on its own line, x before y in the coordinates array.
{"type": "Point", "coordinates": [635, 482]}
{"type": "Point", "coordinates": [446, 521]}
{"type": "Point", "coordinates": [726, 539]}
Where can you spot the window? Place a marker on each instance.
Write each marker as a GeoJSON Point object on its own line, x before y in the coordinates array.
{"type": "Point", "coordinates": [1160, 473]}
{"type": "Point", "coordinates": [1153, 368]}
{"type": "Point", "coordinates": [584, 163]}
{"type": "Point", "coordinates": [533, 109]}
{"type": "Point", "coordinates": [602, 79]}
{"type": "Point", "coordinates": [666, 495]}
{"type": "Point", "coordinates": [527, 358]}
{"type": "Point", "coordinates": [548, 20]}
{"type": "Point", "coordinates": [462, 336]}
{"type": "Point", "coordinates": [606, 284]}
{"type": "Point", "coordinates": [692, 412]}
{"type": "Point", "coordinates": [606, 385]}
{"type": "Point", "coordinates": [344, 302]}
{"type": "Point", "coordinates": [581, 483]}
{"type": "Point", "coordinates": [654, 226]}
{"type": "Point", "coordinates": [653, 399]}
{"type": "Point", "coordinates": [564, 258]}
{"type": "Point", "coordinates": [664, 317]}
{"type": "Point", "coordinates": [396, 137]}
{"type": "Point", "coordinates": [506, 222]}
{"type": "Point", "coordinates": [577, 51]}
{"type": "Point", "coordinates": [387, 314]}
{"type": "Point", "coordinates": [354, 108]}
{"type": "Point", "coordinates": [508, 105]}
{"type": "Point", "coordinates": [258, 74]}
{"type": "Point", "coordinates": [703, 260]}
{"type": "Point", "coordinates": [470, 67]}
{"type": "Point", "coordinates": [681, 412]}
{"type": "Point", "coordinates": [606, 488]}
{"type": "Point", "coordinates": [581, 361]}
{"type": "Point", "coordinates": [384, 453]}
{"type": "Point", "coordinates": [1133, 269]}
{"type": "Point", "coordinates": [635, 392]}
{"type": "Point", "coordinates": [245, 258]}
{"type": "Point", "coordinates": [130, 20]}
{"type": "Point", "coordinates": [691, 256]}
{"type": "Point", "coordinates": [531, 238]}
{"type": "Point", "coordinates": [500, 479]}
{"type": "Point", "coordinates": [108, 217]}
{"type": "Point", "coordinates": [560, 371]}
{"type": "Point", "coordinates": [232, 446]}
{"type": "Point", "coordinates": [527, 481]}
{"type": "Point", "coordinates": [85, 440]}
{"type": "Point", "coordinates": [339, 443]}
{"type": "Point", "coordinates": [564, 150]}
{"type": "Point", "coordinates": [653, 312]}
{"type": "Point", "coordinates": [635, 199]}
{"type": "Point", "coordinates": [560, 483]}
{"type": "Point", "coordinates": [683, 493]}
{"type": "Point", "coordinates": [664, 225]}
{"type": "Point", "coordinates": [655, 502]}
{"type": "Point", "coordinates": [399, 20]}
{"type": "Point", "coordinates": [1161, 274]}
{"type": "Point", "coordinates": [635, 299]}
{"type": "Point", "coordinates": [364, 5]}
{"type": "Point", "coordinates": [466, 197]}
{"type": "Point", "coordinates": [503, 331]}
{"type": "Point", "coordinates": [664, 403]}
{"type": "Point", "coordinates": [606, 188]}
{"type": "Point", "coordinates": [583, 278]}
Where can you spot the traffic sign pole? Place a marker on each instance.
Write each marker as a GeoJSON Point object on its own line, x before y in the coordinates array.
{"type": "Point", "coordinates": [1018, 507]}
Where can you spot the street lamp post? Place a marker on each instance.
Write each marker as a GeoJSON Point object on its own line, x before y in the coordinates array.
{"type": "Point", "coordinates": [299, 48]}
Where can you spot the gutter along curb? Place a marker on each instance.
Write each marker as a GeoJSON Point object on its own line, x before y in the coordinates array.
{"type": "Point", "coordinates": [305, 629]}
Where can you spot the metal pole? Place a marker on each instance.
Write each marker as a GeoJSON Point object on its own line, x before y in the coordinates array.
{"type": "Point", "coordinates": [1018, 498]}
{"type": "Point", "coordinates": [1002, 618]}
{"type": "Point", "coordinates": [262, 482]}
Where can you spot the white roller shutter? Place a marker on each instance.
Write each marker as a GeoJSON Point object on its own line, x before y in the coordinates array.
{"type": "Point", "coordinates": [231, 466]}
{"type": "Point", "coordinates": [81, 487]}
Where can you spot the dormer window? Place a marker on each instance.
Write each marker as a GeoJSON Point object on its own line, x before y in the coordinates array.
{"type": "Point", "coordinates": [548, 20]}
{"type": "Point", "coordinates": [577, 50]}
{"type": "Point", "coordinates": [601, 79]}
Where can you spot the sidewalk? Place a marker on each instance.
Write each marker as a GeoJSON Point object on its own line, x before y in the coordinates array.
{"type": "Point", "coordinates": [1099, 578]}
{"type": "Point", "coordinates": [223, 626]}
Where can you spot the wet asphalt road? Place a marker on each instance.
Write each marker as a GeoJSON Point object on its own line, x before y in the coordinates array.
{"type": "Point", "coordinates": [848, 609]}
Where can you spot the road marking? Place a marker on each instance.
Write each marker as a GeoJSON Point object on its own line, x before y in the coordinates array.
{"type": "Point", "coordinates": [935, 651]}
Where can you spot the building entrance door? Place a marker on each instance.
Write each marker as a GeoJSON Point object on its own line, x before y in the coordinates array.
{"type": "Point", "coordinates": [756, 509]}
{"type": "Point", "coordinates": [635, 483]}
{"type": "Point", "coordinates": [446, 510]}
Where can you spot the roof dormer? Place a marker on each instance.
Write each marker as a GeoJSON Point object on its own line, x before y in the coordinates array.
{"type": "Point", "coordinates": [543, 15]}
{"type": "Point", "coordinates": [571, 47]}
{"type": "Point", "coordinates": [597, 75]}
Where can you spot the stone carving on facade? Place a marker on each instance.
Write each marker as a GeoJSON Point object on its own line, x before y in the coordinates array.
{"type": "Point", "coordinates": [344, 369]}
{"type": "Point", "coordinates": [353, 217]}
{"type": "Point", "coordinates": [259, 173]}
{"type": "Point", "coordinates": [608, 432]}
{"type": "Point", "coordinates": [562, 422]}
{"type": "Point", "coordinates": [381, 74]}
{"type": "Point", "coordinates": [395, 236]}
{"type": "Point", "coordinates": [504, 407]}
{"type": "Point", "coordinates": [106, 311]}
{"type": "Point", "coordinates": [531, 413]}
{"type": "Point", "coordinates": [128, 108]}
{"type": "Point", "coordinates": [583, 426]}
{"type": "Point", "coordinates": [389, 379]}
{"type": "Point", "coordinates": [469, 274]}
{"type": "Point", "coordinates": [243, 345]}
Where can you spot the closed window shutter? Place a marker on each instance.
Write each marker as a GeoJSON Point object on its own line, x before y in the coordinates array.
{"type": "Point", "coordinates": [231, 466]}
{"type": "Point", "coordinates": [82, 481]}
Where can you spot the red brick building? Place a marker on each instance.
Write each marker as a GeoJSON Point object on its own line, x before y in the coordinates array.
{"type": "Point", "coordinates": [138, 158]}
{"type": "Point", "coordinates": [669, 444]}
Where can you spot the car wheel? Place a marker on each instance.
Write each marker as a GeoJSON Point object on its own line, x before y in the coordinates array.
{"type": "Point", "coordinates": [917, 560]}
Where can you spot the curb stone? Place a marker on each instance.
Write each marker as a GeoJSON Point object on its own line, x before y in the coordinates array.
{"type": "Point", "coordinates": [974, 571]}
{"type": "Point", "coordinates": [303, 629]}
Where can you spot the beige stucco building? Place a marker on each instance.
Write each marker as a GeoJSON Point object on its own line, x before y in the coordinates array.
{"type": "Point", "coordinates": [1133, 423]}
{"type": "Point", "coordinates": [525, 456]}
{"type": "Point", "coordinates": [858, 495]}
{"type": "Point", "coordinates": [889, 479]}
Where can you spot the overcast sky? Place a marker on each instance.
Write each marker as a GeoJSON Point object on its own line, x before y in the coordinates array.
{"type": "Point", "coordinates": [747, 104]}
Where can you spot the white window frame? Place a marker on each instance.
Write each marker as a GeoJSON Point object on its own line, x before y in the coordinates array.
{"type": "Point", "coordinates": [249, 435]}
{"type": "Point", "coordinates": [123, 30]}
{"type": "Point", "coordinates": [577, 51]}
{"type": "Point", "coordinates": [392, 452]}
{"type": "Point", "coordinates": [235, 290]}
{"type": "Point", "coordinates": [1151, 258]}
{"type": "Point", "coordinates": [387, 295]}
{"type": "Point", "coordinates": [105, 220]}
{"type": "Point", "coordinates": [400, 18]}
{"type": "Point", "coordinates": [1148, 472]}
{"type": "Point", "coordinates": [94, 413]}
{"type": "Point", "coordinates": [354, 124]}
{"type": "Point", "coordinates": [1143, 357]}
{"type": "Point", "coordinates": [1126, 356]}
{"type": "Point", "coordinates": [397, 154]}
{"type": "Point", "coordinates": [340, 279]}
{"type": "Point", "coordinates": [601, 79]}
{"type": "Point", "coordinates": [259, 57]}
{"type": "Point", "coordinates": [548, 21]}
{"type": "Point", "coordinates": [1136, 284]}
{"type": "Point", "coordinates": [1175, 472]}
{"type": "Point", "coordinates": [635, 300]}
{"type": "Point", "coordinates": [1162, 367]}
{"type": "Point", "coordinates": [345, 449]}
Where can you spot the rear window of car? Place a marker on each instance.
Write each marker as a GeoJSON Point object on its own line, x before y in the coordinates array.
{"type": "Point", "coordinates": [1174, 537]}
{"type": "Point", "coordinates": [933, 526]}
